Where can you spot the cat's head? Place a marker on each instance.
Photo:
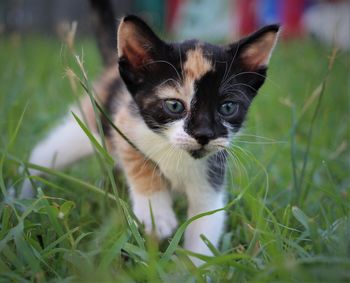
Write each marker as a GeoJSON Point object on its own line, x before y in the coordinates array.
{"type": "Point", "coordinates": [195, 94]}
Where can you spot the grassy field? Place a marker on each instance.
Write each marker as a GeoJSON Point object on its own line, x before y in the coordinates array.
{"type": "Point", "coordinates": [288, 188]}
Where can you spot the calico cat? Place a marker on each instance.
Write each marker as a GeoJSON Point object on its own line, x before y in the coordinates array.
{"type": "Point", "coordinates": [180, 104]}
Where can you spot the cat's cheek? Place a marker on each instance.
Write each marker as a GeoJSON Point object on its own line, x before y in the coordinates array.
{"type": "Point", "coordinates": [219, 144]}
{"type": "Point", "coordinates": [173, 132]}
{"type": "Point", "coordinates": [179, 138]}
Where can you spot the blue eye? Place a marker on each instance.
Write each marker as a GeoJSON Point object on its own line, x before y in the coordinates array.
{"type": "Point", "coordinates": [228, 108]}
{"type": "Point", "coordinates": [174, 106]}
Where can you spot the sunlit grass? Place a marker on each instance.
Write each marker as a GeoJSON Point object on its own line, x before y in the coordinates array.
{"type": "Point", "coordinates": [287, 219]}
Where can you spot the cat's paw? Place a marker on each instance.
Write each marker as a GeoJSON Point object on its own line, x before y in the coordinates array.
{"type": "Point", "coordinates": [164, 217]}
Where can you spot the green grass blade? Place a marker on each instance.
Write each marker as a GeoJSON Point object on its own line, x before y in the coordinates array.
{"type": "Point", "coordinates": [174, 243]}
{"type": "Point", "coordinates": [93, 140]}
{"type": "Point", "coordinates": [113, 252]}
{"type": "Point", "coordinates": [301, 217]}
{"type": "Point", "coordinates": [132, 225]}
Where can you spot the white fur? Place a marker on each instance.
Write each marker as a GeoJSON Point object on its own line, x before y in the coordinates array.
{"type": "Point", "coordinates": [161, 204]}
{"type": "Point", "coordinates": [175, 163]}
{"type": "Point", "coordinates": [202, 199]}
{"type": "Point", "coordinates": [179, 138]}
{"type": "Point", "coordinates": [187, 175]}
{"type": "Point", "coordinates": [66, 144]}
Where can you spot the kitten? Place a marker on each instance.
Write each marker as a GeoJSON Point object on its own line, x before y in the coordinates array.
{"type": "Point", "coordinates": [180, 104]}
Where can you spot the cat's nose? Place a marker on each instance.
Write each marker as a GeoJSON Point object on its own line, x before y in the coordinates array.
{"type": "Point", "coordinates": [203, 135]}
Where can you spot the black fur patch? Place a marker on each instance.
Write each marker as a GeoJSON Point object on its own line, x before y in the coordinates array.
{"type": "Point", "coordinates": [217, 169]}
{"type": "Point", "coordinates": [104, 24]}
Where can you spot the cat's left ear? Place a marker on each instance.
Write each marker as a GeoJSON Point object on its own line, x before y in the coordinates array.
{"type": "Point", "coordinates": [255, 50]}
{"type": "Point", "coordinates": [137, 43]}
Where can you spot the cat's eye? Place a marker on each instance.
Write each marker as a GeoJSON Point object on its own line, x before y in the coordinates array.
{"type": "Point", "coordinates": [228, 108]}
{"type": "Point", "coordinates": [174, 106]}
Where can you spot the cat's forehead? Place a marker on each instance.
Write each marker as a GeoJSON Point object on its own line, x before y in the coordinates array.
{"type": "Point", "coordinates": [208, 49]}
{"type": "Point", "coordinates": [195, 61]}
{"type": "Point", "coordinates": [196, 64]}
{"type": "Point", "coordinates": [199, 58]}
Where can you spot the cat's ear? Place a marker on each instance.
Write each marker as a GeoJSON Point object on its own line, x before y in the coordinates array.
{"type": "Point", "coordinates": [137, 43]}
{"type": "Point", "coordinates": [255, 50]}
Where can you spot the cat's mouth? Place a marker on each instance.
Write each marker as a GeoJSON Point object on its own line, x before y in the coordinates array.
{"type": "Point", "coordinates": [198, 153]}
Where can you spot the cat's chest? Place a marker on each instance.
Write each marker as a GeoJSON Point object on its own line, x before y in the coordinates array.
{"type": "Point", "coordinates": [175, 164]}
{"type": "Point", "coordinates": [180, 169]}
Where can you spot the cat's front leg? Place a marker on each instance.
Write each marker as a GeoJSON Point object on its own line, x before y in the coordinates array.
{"type": "Point", "coordinates": [160, 203]}
{"type": "Point", "coordinates": [202, 200]}
{"type": "Point", "coordinates": [149, 193]}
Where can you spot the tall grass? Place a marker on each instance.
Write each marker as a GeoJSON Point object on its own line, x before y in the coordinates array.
{"type": "Point", "coordinates": [288, 183]}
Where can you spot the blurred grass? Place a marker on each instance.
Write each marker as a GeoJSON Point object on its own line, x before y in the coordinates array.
{"type": "Point", "coordinates": [281, 228]}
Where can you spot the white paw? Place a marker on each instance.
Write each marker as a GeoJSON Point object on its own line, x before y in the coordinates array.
{"type": "Point", "coordinates": [164, 217]}
{"type": "Point", "coordinates": [164, 220]}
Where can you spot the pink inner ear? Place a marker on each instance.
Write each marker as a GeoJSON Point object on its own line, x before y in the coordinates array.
{"type": "Point", "coordinates": [132, 45]}
{"type": "Point", "coordinates": [258, 53]}
{"type": "Point", "coordinates": [135, 54]}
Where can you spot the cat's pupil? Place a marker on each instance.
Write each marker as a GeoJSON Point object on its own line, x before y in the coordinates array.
{"type": "Point", "coordinates": [175, 106]}
{"type": "Point", "coordinates": [228, 108]}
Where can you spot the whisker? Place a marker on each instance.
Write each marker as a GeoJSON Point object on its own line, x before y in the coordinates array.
{"type": "Point", "coordinates": [247, 85]}
{"type": "Point", "coordinates": [226, 83]}
{"type": "Point", "coordinates": [231, 170]}
{"type": "Point", "coordinates": [242, 170]}
{"type": "Point", "coordinates": [244, 73]}
{"type": "Point", "coordinates": [237, 162]}
{"type": "Point", "coordinates": [181, 65]}
{"type": "Point", "coordinates": [170, 79]}
{"type": "Point", "coordinates": [165, 62]}
{"type": "Point", "coordinates": [148, 159]}
{"type": "Point", "coordinates": [233, 59]}
{"type": "Point", "coordinates": [256, 136]}
{"type": "Point", "coordinates": [234, 92]}
{"type": "Point", "coordinates": [262, 143]}
{"type": "Point", "coordinates": [225, 73]}
{"type": "Point", "coordinates": [165, 155]}
{"type": "Point", "coordinates": [178, 160]}
{"type": "Point", "coordinates": [258, 74]}
{"type": "Point", "coordinates": [252, 157]}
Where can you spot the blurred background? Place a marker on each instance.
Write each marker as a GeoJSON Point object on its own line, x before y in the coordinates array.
{"type": "Point", "coordinates": [329, 21]}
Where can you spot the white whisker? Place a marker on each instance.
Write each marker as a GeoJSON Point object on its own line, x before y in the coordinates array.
{"type": "Point", "coordinates": [165, 62]}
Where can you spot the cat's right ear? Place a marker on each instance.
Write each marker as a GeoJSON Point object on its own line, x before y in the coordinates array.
{"type": "Point", "coordinates": [138, 45]}
{"type": "Point", "coordinates": [255, 50]}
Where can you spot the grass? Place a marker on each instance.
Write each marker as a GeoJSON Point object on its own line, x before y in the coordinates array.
{"type": "Point", "coordinates": [288, 185]}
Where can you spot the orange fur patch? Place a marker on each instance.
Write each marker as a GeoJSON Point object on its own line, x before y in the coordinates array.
{"type": "Point", "coordinates": [166, 92]}
{"type": "Point", "coordinates": [143, 174]}
{"type": "Point", "coordinates": [194, 68]}
{"type": "Point", "coordinates": [196, 64]}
